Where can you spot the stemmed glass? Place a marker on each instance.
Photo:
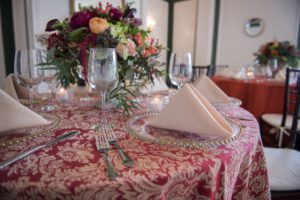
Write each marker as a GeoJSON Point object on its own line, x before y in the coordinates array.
{"type": "Point", "coordinates": [180, 68]}
{"type": "Point", "coordinates": [49, 73]}
{"type": "Point", "coordinates": [102, 75]}
{"type": "Point", "coordinates": [28, 70]}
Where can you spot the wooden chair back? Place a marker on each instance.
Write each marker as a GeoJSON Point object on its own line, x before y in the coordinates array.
{"type": "Point", "coordinates": [198, 71]}
{"type": "Point", "coordinates": [291, 103]}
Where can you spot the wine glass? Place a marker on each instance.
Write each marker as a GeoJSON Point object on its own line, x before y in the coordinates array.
{"type": "Point", "coordinates": [102, 75]}
{"type": "Point", "coordinates": [180, 68]}
{"type": "Point", "coordinates": [28, 70]}
{"type": "Point", "coordinates": [49, 78]}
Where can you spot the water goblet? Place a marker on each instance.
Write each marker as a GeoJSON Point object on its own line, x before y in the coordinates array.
{"type": "Point", "coordinates": [180, 68]}
{"type": "Point", "coordinates": [28, 70]}
{"type": "Point", "coordinates": [102, 75]}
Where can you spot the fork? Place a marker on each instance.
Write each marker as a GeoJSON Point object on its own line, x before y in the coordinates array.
{"type": "Point", "coordinates": [102, 146]}
{"type": "Point", "coordinates": [127, 161]}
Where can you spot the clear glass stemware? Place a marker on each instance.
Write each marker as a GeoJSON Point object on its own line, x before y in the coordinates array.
{"type": "Point", "coordinates": [180, 68]}
{"type": "Point", "coordinates": [27, 68]}
{"type": "Point", "coordinates": [102, 75]}
{"type": "Point", "coordinates": [49, 73]}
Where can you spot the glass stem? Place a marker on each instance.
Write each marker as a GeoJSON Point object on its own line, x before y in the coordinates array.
{"type": "Point", "coordinates": [103, 93]}
{"type": "Point", "coordinates": [180, 86]}
{"type": "Point", "coordinates": [31, 97]}
{"type": "Point", "coordinates": [49, 94]}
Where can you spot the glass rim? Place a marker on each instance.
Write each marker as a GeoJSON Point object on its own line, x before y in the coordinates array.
{"type": "Point", "coordinates": [102, 48]}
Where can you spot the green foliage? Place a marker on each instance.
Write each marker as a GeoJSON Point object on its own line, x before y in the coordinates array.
{"type": "Point", "coordinates": [77, 35]}
{"type": "Point", "coordinates": [124, 99]}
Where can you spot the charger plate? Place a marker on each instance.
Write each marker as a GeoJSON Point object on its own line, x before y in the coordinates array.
{"type": "Point", "coordinates": [234, 103]}
{"type": "Point", "coordinates": [138, 127]}
{"type": "Point", "coordinates": [26, 134]}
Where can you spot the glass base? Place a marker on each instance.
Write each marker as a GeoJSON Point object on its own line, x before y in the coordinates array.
{"type": "Point", "coordinates": [86, 99]}
{"type": "Point", "coordinates": [50, 108]}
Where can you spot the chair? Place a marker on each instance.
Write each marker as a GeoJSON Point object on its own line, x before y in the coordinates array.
{"type": "Point", "coordinates": [282, 123]}
{"type": "Point", "coordinates": [198, 71]}
{"type": "Point", "coordinates": [284, 164]}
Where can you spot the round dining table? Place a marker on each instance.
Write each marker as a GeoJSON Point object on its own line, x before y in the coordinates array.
{"type": "Point", "coordinates": [259, 95]}
{"type": "Point", "coordinates": [74, 169]}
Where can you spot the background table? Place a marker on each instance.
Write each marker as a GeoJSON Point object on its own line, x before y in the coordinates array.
{"type": "Point", "coordinates": [258, 96]}
{"type": "Point", "coordinates": [73, 169]}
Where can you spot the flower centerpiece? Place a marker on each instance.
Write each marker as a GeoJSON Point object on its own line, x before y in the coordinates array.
{"type": "Point", "coordinates": [103, 26]}
{"type": "Point", "coordinates": [283, 52]}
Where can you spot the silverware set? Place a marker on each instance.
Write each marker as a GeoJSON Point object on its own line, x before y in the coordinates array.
{"type": "Point", "coordinates": [103, 142]}
{"type": "Point", "coordinates": [102, 146]}
{"type": "Point", "coordinates": [127, 161]}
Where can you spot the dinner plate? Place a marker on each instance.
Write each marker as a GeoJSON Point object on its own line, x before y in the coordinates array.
{"type": "Point", "coordinates": [138, 127]}
{"type": "Point", "coordinates": [234, 103]}
{"type": "Point", "coordinates": [26, 134]}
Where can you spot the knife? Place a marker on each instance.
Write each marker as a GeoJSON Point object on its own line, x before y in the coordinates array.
{"type": "Point", "coordinates": [34, 149]}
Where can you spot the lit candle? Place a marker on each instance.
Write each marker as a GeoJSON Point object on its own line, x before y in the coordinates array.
{"type": "Point", "coordinates": [250, 72]}
{"type": "Point", "coordinates": [155, 103]}
{"type": "Point", "coordinates": [62, 95]}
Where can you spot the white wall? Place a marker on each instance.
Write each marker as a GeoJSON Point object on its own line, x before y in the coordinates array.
{"type": "Point", "coordinates": [235, 48]}
{"type": "Point", "coordinates": [157, 10]}
{"type": "Point", "coordinates": [184, 26]}
{"type": "Point", "coordinates": [205, 25]}
{"type": "Point", "coordinates": [2, 63]}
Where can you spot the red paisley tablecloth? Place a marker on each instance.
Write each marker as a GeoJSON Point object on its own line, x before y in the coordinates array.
{"type": "Point", "coordinates": [73, 169]}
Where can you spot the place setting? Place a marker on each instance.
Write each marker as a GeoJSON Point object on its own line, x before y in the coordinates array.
{"type": "Point", "coordinates": [101, 103]}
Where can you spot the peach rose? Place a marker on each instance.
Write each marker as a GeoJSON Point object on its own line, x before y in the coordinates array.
{"type": "Point", "coordinates": [150, 51]}
{"type": "Point", "coordinates": [98, 25]}
{"type": "Point", "coordinates": [138, 38]}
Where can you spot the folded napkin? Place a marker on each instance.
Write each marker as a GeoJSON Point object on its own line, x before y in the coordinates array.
{"type": "Point", "coordinates": [281, 74]}
{"type": "Point", "coordinates": [211, 91]}
{"type": "Point", "coordinates": [189, 111]}
{"type": "Point", "coordinates": [16, 116]}
{"type": "Point", "coordinates": [158, 85]}
{"type": "Point", "coordinates": [16, 90]}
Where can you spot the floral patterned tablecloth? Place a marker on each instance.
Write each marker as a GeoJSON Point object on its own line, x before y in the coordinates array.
{"type": "Point", "coordinates": [73, 169]}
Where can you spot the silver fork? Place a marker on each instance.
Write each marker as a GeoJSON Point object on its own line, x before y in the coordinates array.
{"type": "Point", "coordinates": [102, 146]}
{"type": "Point", "coordinates": [112, 140]}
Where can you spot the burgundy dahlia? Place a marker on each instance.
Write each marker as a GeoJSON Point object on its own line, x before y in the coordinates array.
{"type": "Point", "coordinates": [81, 19]}
{"type": "Point", "coordinates": [115, 14]}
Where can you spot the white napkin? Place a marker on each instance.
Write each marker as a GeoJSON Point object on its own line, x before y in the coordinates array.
{"type": "Point", "coordinates": [189, 111]}
{"type": "Point", "coordinates": [280, 76]}
{"type": "Point", "coordinates": [158, 85]}
{"type": "Point", "coordinates": [241, 75]}
{"type": "Point", "coordinates": [211, 91]}
{"type": "Point", "coordinates": [16, 116]}
{"type": "Point", "coordinates": [14, 89]}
